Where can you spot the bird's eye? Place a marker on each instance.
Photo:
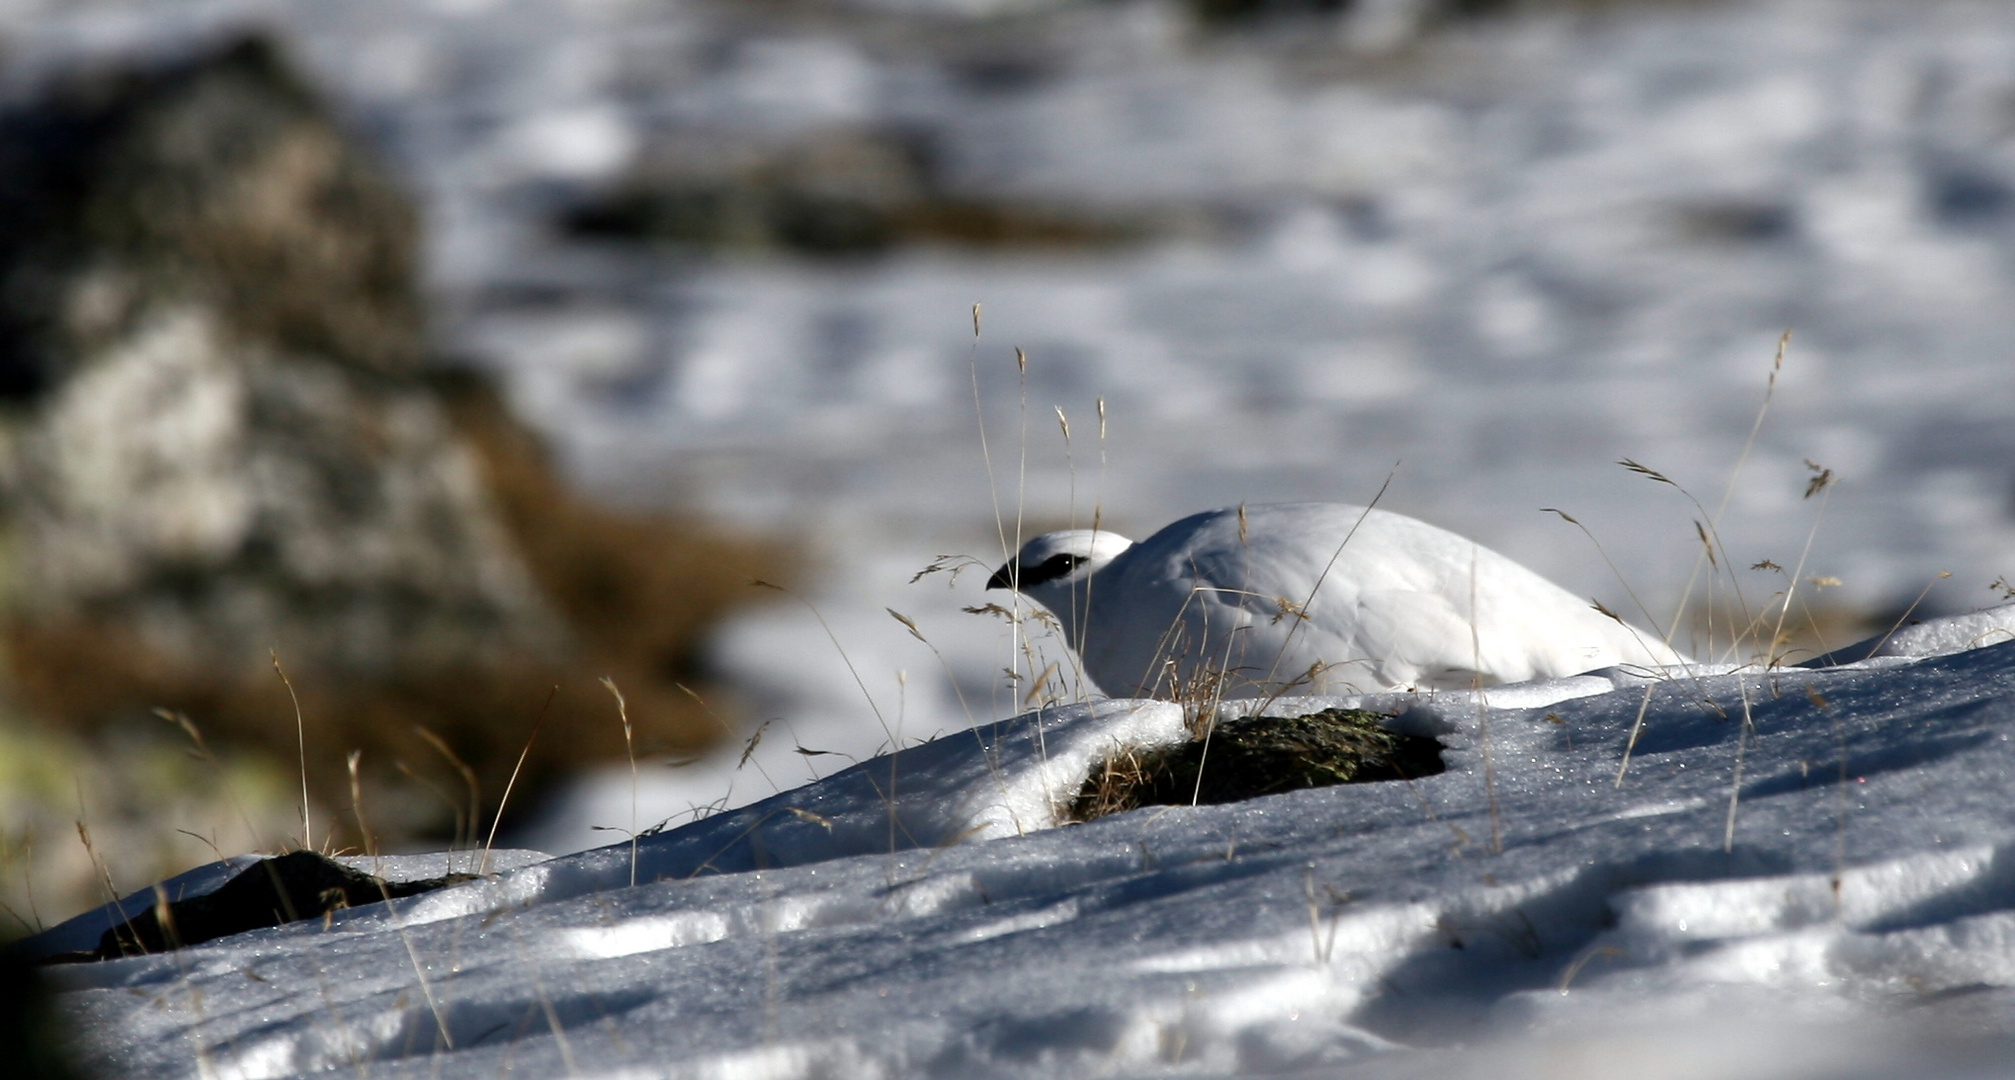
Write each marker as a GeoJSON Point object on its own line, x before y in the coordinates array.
{"type": "Point", "coordinates": [1050, 569]}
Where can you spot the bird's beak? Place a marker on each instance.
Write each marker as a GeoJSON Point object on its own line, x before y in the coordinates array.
{"type": "Point", "coordinates": [1004, 578]}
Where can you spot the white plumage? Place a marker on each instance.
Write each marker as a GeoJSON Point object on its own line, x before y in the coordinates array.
{"type": "Point", "coordinates": [1311, 598]}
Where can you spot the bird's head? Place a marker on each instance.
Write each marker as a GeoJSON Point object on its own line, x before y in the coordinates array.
{"type": "Point", "coordinates": [1053, 562]}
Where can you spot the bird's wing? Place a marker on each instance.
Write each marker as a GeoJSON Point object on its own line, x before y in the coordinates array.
{"type": "Point", "coordinates": [1403, 603]}
{"type": "Point", "coordinates": [1265, 612]}
{"type": "Point", "coordinates": [1424, 638]}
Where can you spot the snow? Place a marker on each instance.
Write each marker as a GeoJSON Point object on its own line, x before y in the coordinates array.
{"type": "Point", "coordinates": [1935, 637]}
{"type": "Point", "coordinates": [1823, 892]}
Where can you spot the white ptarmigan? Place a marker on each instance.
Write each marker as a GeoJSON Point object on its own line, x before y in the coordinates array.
{"type": "Point", "coordinates": [1313, 598]}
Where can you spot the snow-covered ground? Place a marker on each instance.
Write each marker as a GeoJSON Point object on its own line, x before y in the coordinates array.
{"type": "Point", "coordinates": [1801, 873]}
{"type": "Point", "coordinates": [1490, 264]}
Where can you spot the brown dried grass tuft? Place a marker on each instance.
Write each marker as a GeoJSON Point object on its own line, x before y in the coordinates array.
{"type": "Point", "coordinates": [1114, 787]}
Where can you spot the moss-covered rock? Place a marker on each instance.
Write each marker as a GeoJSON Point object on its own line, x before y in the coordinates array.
{"type": "Point", "coordinates": [1261, 755]}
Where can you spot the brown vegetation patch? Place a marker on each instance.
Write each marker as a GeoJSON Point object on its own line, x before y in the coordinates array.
{"type": "Point", "coordinates": [1254, 756]}
{"type": "Point", "coordinates": [640, 590]}
{"type": "Point", "coordinates": [753, 214]}
{"type": "Point", "coordinates": [846, 194]}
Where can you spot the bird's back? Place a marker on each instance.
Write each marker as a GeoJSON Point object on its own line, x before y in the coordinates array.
{"type": "Point", "coordinates": [1330, 598]}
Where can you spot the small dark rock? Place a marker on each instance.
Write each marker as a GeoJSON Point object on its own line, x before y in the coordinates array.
{"type": "Point", "coordinates": [272, 892]}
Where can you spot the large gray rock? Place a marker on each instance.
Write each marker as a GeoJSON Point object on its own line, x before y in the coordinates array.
{"type": "Point", "coordinates": [218, 497]}
{"type": "Point", "coordinates": [223, 440]}
{"type": "Point", "coordinates": [214, 322]}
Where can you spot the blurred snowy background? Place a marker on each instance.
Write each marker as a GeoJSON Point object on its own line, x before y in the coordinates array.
{"type": "Point", "coordinates": [724, 255]}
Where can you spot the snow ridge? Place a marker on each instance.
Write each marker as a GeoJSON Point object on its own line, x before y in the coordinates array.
{"type": "Point", "coordinates": [1367, 929]}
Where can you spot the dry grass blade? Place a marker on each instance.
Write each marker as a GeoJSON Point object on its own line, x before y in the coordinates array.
{"type": "Point", "coordinates": [1573, 969]}
{"type": "Point", "coordinates": [908, 622]}
{"type": "Point", "coordinates": [1712, 541]}
{"type": "Point", "coordinates": [1636, 729]}
{"type": "Point", "coordinates": [553, 1025]}
{"type": "Point", "coordinates": [468, 775]}
{"type": "Point", "coordinates": [1905, 617]}
{"type": "Point", "coordinates": [948, 564]}
{"type": "Point", "coordinates": [301, 739]}
{"type": "Point", "coordinates": [25, 853]}
{"type": "Point", "coordinates": [1642, 610]}
{"type": "Point", "coordinates": [202, 752]}
{"type": "Point", "coordinates": [434, 789]}
{"type": "Point", "coordinates": [357, 804]}
{"type": "Point", "coordinates": [1735, 784]}
{"type": "Point", "coordinates": [1327, 567]}
{"type": "Point", "coordinates": [1728, 493]}
{"type": "Point", "coordinates": [490, 843]}
{"type": "Point", "coordinates": [806, 815]}
{"type": "Point", "coordinates": [726, 728]}
{"type": "Point", "coordinates": [104, 871]}
{"type": "Point", "coordinates": [164, 917]}
{"type": "Point", "coordinates": [629, 747]}
{"type": "Point", "coordinates": [1113, 788]}
{"type": "Point", "coordinates": [1647, 472]}
{"type": "Point", "coordinates": [188, 726]}
{"type": "Point", "coordinates": [1822, 478]}
{"type": "Point", "coordinates": [1773, 658]}
{"type": "Point", "coordinates": [844, 658]}
{"type": "Point", "coordinates": [1039, 687]}
{"type": "Point", "coordinates": [755, 740]}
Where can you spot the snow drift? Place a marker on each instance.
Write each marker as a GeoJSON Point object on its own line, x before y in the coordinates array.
{"type": "Point", "coordinates": [1815, 867]}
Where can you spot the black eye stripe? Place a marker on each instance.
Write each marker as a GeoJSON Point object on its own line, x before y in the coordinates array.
{"type": "Point", "coordinates": [1050, 569]}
